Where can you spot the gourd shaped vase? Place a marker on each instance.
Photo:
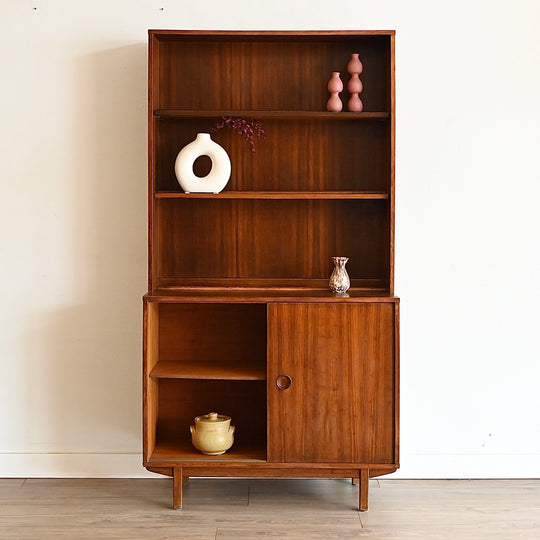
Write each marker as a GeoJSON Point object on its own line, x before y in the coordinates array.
{"type": "Point", "coordinates": [335, 86]}
{"type": "Point", "coordinates": [339, 280]}
{"type": "Point", "coordinates": [219, 174]}
{"type": "Point", "coordinates": [355, 86]}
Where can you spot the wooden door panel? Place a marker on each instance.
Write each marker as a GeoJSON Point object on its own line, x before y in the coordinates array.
{"type": "Point", "coordinates": [339, 406]}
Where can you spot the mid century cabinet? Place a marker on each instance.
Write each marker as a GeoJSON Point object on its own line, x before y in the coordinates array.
{"type": "Point", "coordinates": [238, 282]}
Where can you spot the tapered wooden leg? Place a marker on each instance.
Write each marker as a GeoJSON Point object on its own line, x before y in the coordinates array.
{"type": "Point", "coordinates": [177, 488]}
{"type": "Point", "coordinates": [363, 491]}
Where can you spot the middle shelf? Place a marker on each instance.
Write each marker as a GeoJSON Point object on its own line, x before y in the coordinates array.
{"type": "Point", "coordinates": [239, 370]}
{"type": "Point", "coordinates": [367, 195]}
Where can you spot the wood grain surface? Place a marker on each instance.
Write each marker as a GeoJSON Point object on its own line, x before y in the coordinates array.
{"type": "Point", "coordinates": [340, 405]}
{"type": "Point", "coordinates": [287, 239]}
{"type": "Point", "coordinates": [220, 334]}
{"type": "Point", "coordinates": [267, 74]}
{"type": "Point", "coordinates": [315, 155]}
{"type": "Point", "coordinates": [299, 183]}
{"type": "Point", "coordinates": [118, 509]}
{"type": "Point", "coordinates": [238, 281]}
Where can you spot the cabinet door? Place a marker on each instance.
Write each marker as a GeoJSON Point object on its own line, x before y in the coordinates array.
{"type": "Point", "coordinates": [331, 383]}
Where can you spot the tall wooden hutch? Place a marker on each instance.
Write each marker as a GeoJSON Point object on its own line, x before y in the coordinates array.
{"type": "Point", "coordinates": [238, 281]}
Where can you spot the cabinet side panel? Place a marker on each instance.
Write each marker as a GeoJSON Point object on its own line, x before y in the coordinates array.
{"type": "Point", "coordinates": [150, 387]}
{"type": "Point", "coordinates": [153, 81]}
{"type": "Point", "coordinates": [396, 384]}
{"type": "Point", "coordinates": [392, 159]}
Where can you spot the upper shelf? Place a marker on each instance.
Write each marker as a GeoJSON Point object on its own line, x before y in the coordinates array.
{"type": "Point", "coordinates": [274, 115]}
{"type": "Point", "coordinates": [369, 195]}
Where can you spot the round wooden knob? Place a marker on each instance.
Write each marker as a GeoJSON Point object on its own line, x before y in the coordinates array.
{"type": "Point", "coordinates": [283, 382]}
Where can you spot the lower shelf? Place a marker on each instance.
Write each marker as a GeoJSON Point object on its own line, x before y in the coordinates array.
{"type": "Point", "coordinates": [182, 450]}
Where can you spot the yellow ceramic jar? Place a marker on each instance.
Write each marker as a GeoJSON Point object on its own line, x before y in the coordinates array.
{"type": "Point", "coordinates": [212, 434]}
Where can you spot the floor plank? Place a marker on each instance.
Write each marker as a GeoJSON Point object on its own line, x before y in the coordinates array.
{"type": "Point", "coordinates": [246, 508]}
{"type": "Point", "coordinates": [12, 482]}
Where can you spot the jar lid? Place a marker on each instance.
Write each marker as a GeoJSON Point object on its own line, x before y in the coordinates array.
{"type": "Point", "coordinates": [212, 417]}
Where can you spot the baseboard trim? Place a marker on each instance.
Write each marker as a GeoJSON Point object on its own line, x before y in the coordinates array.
{"type": "Point", "coordinates": [72, 465]}
{"type": "Point", "coordinates": [129, 465]}
{"type": "Point", "coordinates": [474, 466]}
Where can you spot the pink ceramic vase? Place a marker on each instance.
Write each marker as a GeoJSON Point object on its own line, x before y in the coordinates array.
{"type": "Point", "coordinates": [355, 104]}
{"type": "Point", "coordinates": [335, 86]}
{"type": "Point", "coordinates": [355, 86]}
{"type": "Point", "coordinates": [355, 66]}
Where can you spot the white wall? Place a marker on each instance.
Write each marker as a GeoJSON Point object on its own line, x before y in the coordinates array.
{"type": "Point", "coordinates": [73, 221]}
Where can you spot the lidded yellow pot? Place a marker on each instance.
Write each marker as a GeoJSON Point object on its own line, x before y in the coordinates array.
{"type": "Point", "coordinates": [212, 434]}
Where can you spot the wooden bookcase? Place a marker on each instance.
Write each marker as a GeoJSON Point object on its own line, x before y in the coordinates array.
{"type": "Point", "coordinates": [238, 281]}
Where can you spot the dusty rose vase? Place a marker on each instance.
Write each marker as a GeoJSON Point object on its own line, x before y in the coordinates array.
{"type": "Point", "coordinates": [335, 86]}
{"type": "Point", "coordinates": [355, 86]}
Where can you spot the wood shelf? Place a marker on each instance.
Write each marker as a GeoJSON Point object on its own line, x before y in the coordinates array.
{"type": "Point", "coordinates": [268, 36]}
{"type": "Point", "coordinates": [240, 370]}
{"type": "Point", "coordinates": [367, 195]}
{"type": "Point", "coordinates": [251, 295]}
{"type": "Point", "coordinates": [271, 288]}
{"type": "Point", "coordinates": [182, 450]}
{"type": "Point", "coordinates": [274, 115]}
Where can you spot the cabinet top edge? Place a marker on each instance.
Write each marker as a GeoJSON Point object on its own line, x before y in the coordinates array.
{"type": "Point", "coordinates": [268, 33]}
{"type": "Point", "coordinates": [161, 296]}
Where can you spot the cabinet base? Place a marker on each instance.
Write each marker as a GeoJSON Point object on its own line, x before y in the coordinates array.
{"type": "Point", "coordinates": [361, 476]}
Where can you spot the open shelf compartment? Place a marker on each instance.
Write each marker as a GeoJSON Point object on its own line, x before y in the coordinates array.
{"type": "Point", "coordinates": [287, 242]}
{"type": "Point", "coordinates": [180, 401]}
{"type": "Point", "coordinates": [212, 341]}
{"type": "Point", "coordinates": [315, 155]}
{"type": "Point", "coordinates": [265, 73]}
{"type": "Point", "coordinates": [201, 358]}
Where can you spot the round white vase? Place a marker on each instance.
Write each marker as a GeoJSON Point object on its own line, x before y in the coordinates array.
{"type": "Point", "coordinates": [219, 174]}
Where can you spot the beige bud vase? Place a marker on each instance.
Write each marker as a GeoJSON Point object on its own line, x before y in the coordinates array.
{"type": "Point", "coordinates": [212, 434]}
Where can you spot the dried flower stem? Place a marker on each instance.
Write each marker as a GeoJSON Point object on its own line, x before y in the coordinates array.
{"type": "Point", "coordinates": [249, 128]}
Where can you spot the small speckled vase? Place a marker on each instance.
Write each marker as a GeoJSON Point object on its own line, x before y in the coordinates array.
{"type": "Point", "coordinates": [339, 280]}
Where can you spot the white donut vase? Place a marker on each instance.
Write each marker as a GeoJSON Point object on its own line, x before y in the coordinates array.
{"type": "Point", "coordinates": [219, 174]}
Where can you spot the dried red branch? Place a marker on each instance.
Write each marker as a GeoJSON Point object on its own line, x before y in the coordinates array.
{"type": "Point", "coordinates": [249, 128]}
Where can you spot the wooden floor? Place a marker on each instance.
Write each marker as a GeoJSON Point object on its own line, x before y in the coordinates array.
{"type": "Point", "coordinates": [237, 508]}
